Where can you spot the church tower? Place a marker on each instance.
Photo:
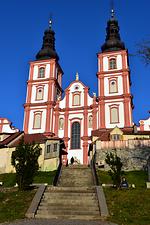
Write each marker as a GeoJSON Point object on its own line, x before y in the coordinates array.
{"type": "Point", "coordinates": [44, 87]}
{"type": "Point", "coordinates": [114, 97]}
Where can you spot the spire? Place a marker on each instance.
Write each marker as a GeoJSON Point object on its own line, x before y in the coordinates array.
{"type": "Point", "coordinates": [77, 76]}
{"type": "Point", "coordinates": [48, 48]}
{"type": "Point", "coordinates": [112, 10]}
{"type": "Point", "coordinates": [112, 14]}
{"type": "Point", "coordinates": [50, 24]}
{"type": "Point", "coordinates": [113, 41]}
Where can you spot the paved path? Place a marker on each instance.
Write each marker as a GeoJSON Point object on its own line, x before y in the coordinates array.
{"type": "Point", "coordinates": [56, 222]}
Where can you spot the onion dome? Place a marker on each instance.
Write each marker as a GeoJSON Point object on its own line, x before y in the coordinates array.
{"type": "Point", "coordinates": [113, 41]}
{"type": "Point", "coordinates": [48, 48]}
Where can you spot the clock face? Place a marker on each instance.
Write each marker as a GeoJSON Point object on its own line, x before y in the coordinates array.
{"type": "Point", "coordinates": [76, 87]}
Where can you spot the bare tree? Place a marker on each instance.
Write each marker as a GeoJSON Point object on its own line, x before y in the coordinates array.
{"type": "Point", "coordinates": [144, 51]}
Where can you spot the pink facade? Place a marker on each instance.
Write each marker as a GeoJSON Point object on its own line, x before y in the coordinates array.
{"type": "Point", "coordinates": [77, 114]}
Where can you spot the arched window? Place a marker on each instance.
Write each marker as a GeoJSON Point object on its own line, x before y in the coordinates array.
{"type": "Point", "coordinates": [75, 135]}
{"type": "Point", "coordinates": [39, 93]}
{"type": "Point", "coordinates": [76, 99]}
{"type": "Point", "coordinates": [90, 121]}
{"type": "Point", "coordinates": [112, 64]}
{"type": "Point", "coordinates": [61, 123]}
{"type": "Point", "coordinates": [37, 120]}
{"type": "Point", "coordinates": [41, 72]}
{"type": "Point", "coordinates": [114, 115]}
{"type": "Point", "coordinates": [113, 86]}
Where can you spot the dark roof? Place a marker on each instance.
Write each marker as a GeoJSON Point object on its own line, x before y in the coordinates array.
{"type": "Point", "coordinates": [48, 48]}
{"type": "Point", "coordinates": [28, 138]}
{"type": "Point", "coordinates": [113, 41]}
{"type": "Point", "coordinates": [36, 138]}
{"type": "Point", "coordinates": [12, 137]}
{"type": "Point", "coordinates": [103, 134]}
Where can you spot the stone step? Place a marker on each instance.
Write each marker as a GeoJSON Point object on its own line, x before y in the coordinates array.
{"type": "Point", "coordinates": [70, 217]}
{"type": "Point", "coordinates": [76, 177]}
{"type": "Point", "coordinates": [69, 194]}
{"type": "Point", "coordinates": [76, 167]}
{"type": "Point", "coordinates": [70, 189]}
{"type": "Point", "coordinates": [70, 201]}
{"type": "Point", "coordinates": [74, 204]}
{"type": "Point", "coordinates": [79, 179]}
{"type": "Point", "coordinates": [70, 204]}
{"type": "Point", "coordinates": [68, 208]}
{"type": "Point", "coordinates": [67, 212]}
{"type": "Point", "coordinates": [74, 197]}
{"type": "Point", "coordinates": [79, 173]}
{"type": "Point", "coordinates": [74, 184]}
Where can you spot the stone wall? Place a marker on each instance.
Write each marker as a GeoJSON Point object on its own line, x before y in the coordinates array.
{"type": "Point", "coordinates": [133, 156]}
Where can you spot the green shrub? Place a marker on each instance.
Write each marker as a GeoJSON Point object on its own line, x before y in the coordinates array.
{"type": "Point", "coordinates": [116, 168]}
{"type": "Point", "coordinates": [25, 161]}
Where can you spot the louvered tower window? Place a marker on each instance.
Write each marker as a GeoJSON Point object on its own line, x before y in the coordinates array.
{"type": "Point", "coordinates": [75, 135]}
{"type": "Point", "coordinates": [112, 64]}
{"type": "Point", "coordinates": [41, 72]}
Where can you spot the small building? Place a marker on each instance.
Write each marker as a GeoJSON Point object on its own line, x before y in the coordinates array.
{"type": "Point", "coordinates": [51, 154]}
{"type": "Point", "coordinates": [144, 125]}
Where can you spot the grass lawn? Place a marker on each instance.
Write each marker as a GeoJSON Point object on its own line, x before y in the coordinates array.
{"type": "Point", "coordinates": [45, 177]}
{"type": "Point", "coordinates": [9, 179]}
{"type": "Point", "coordinates": [131, 206]}
{"type": "Point", "coordinates": [14, 204]}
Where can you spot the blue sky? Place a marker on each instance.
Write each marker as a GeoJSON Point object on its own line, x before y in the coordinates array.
{"type": "Point", "coordinates": [80, 31]}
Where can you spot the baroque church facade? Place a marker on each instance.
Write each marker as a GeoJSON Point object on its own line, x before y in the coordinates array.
{"type": "Point", "coordinates": [77, 114]}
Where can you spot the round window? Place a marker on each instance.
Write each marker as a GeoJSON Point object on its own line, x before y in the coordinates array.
{"type": "Point", "coordinates": [76, 87]}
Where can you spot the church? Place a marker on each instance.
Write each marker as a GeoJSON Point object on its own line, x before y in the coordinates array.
{"type": "Point", "coordinates": [77, 114]}
{"type": "Point", "coordinates": [72, 115]}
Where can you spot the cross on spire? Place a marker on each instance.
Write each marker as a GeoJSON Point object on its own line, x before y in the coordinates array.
{"type": "Point", "coordinates": [112, 9]}
{"type": "Point", "coordinates": [50, 23]}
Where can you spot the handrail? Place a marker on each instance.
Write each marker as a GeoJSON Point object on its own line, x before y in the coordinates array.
{"type": "Point", "coordinates": [35, 202]}
{"type": "Point", "coordinates": [58, 173]}
{"type": "Point", "coordinates": [92, 164]}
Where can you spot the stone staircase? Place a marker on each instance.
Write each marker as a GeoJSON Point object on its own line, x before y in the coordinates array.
{"type": "Point", "coordinates": [74, 198]}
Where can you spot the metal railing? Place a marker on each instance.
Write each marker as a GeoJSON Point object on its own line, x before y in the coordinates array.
{"type": "Point", "coordinates": [58, 173]}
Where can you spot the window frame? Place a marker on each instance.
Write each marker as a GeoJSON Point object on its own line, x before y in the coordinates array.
{"type": "Point", "coordinates": [74, 141]}
{"type": "Point", "coordinates": [37, 89]}
{"type": "Point", "coordinates": [48, 148]}
{"type": "Point", "coordinates": [115, 79]}
{"type": "Point", "coordinates": [116, 137]}
{"type": "Point", "coordinates": [110, 109]}
{"type": "Point", "coordinates": [111, 65]}
{"type": "Point", "coordinates": [55, 145]}
{"type": "Point", "coordinates": [44, 68]}
{"type": "Point", "coordinates": [38, 113]}
{"type": "Point", "coordinates": [59, 123]}
{"type": "Point", "coordinates": [90, 116]}
{"type": "Point", "coordinates": [73, 98]}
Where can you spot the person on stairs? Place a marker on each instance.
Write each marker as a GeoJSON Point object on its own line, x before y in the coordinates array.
{"type": "Point", "coordinates": [72, 160]}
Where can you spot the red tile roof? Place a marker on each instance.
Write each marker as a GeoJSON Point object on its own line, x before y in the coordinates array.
{"type": "Point", "coordinates": [14, 139]}
{"type": "Point", "coordinates": [104, 134]}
